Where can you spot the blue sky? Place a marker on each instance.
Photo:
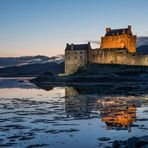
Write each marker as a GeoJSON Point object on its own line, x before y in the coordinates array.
{"type": "Point", "coordinates": [32, 27]}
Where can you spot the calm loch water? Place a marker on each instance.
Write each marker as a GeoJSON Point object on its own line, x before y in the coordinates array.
{"type": "Point", "coordinates": [67, 117]}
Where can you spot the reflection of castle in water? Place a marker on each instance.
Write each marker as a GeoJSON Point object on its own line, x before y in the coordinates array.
{"type": "Point", "coordinates": [116, 112]}
{"type": "Point", "coordinates": [79, 105]}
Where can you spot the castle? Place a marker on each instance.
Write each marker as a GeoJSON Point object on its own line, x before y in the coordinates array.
{"type": "Point", "coordinates": [118, 46]}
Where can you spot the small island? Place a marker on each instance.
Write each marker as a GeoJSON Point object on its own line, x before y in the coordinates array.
{"type": "Point", "coordinates": [115, 67]}
{"type": "Point", "coordinates": [117, 60]}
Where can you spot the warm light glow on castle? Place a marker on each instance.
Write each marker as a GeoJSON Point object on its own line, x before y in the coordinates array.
{"type": "Point", "coordinates": [119, 38]}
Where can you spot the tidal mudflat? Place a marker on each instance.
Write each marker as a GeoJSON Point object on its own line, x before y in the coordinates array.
{"type": "Point", "coordinates": [63, 117]}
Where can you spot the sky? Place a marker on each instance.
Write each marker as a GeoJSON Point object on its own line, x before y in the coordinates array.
{"type": "Point", "coordinates": [43, 27]}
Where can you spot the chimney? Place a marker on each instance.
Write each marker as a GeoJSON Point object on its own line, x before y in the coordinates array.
{"type": "Point", "coordinates": [108, 29]}
{"type": "Point", "coordinates": [89, 46]}
{"type": "Point", "coordinates": [72, 46]}
{"type": "Point", "coordinates": [129, 28]}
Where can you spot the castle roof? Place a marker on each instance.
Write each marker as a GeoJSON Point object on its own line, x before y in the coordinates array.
{"type": "Point", "coordinates": [78, 47]}
{"type": "Point", "coordinates": [112, 32]}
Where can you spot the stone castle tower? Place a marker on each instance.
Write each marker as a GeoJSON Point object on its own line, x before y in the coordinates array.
{"type": "Point", "coordinates": [119, 38]}
{"type": "Point", "coordinates": [76, 56]}
{"type": "Point", "coordinates": [118, 46]}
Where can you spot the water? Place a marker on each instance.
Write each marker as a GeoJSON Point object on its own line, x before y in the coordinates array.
{"type": "Point", "coordinates": [67, 117]}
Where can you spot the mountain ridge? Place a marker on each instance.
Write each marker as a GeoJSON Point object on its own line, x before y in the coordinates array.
{"type": "Point", "coordinates": [25, 60]}
{"type": "Point", "coordinates": [32, 70]}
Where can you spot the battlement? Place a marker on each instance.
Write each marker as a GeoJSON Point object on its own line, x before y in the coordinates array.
{"type": "Point", "coordinates": [112, 32]}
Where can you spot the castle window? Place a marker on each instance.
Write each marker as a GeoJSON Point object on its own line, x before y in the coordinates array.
{"type": "Point", "coordinates": [80, 52]}
{"type": "Point", "coordinates": [80, 57]}
{"type": "Point", "coordinates": [75, 57]}
{"type": "Point", "coordinates": [75, 52]}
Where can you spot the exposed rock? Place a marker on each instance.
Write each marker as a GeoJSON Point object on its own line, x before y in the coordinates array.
{"type": "Point", "coordinates": [142, 141]}
{"type": "Point", "coordinates": [104, 139]}
{"type": "Point", "coordinates": [131, 142]}
{"type": "Point", "coordinates": [134, 142]}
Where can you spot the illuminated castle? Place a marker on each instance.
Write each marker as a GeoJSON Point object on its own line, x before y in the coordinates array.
{"type": "Point", "coordinates": [118, 46]}
{"type": "Point", "coordinates": [119, 38]}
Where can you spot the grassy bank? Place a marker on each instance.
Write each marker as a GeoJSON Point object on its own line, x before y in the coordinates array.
{"type": "Point", "coordinates": [96, 73]}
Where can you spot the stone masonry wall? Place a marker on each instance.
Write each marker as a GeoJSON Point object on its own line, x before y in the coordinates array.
{"type": "Point", "coordinates": [119, 41]}
{"type": "Point", "coordinates": [75, 59]}
{"type": "Point", "coordinates": [117, 56]}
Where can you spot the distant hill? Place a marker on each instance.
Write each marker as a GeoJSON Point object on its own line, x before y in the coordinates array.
{"type": "Point", "coordinates": [141, 41]}
{"type": "Point", "coordinates": [143, 49]}
{"type": "Point", "coordinates": [33, 69]}
{"type": "Point", "coordinates": [25, 60]}
{"type": "Point", "coordinates": [142, 45]}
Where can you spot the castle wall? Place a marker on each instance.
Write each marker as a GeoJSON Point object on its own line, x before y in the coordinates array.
{"type": "Point", "coordinates": [131, 44]}
{"type": "Point", "coordinates": [75, 59]}
{"type": "Point", "coordinates": [119, 41]}
{"type": "Point", "coordinates": [113, 56]}
{"type": "Point", "coordinates": [117, 56]}
{"type": "Point", "coordinates": [144, 60]}
{"type": "Point", "coordinates": [79, 58]}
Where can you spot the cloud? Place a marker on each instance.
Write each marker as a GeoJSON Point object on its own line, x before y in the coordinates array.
{"type": "Point", "coordinates": [93, 42]}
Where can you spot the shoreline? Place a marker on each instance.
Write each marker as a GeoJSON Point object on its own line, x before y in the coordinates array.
{"type": "Point", "coordinates": [102, 88]}
{"type": "Point", "coordinates": [133, 142]}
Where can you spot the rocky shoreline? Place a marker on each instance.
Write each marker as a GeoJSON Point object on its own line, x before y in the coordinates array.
{"type": "Point", "coordinates": [93, 73]}
{"type": "Point", "coordinates": [134, 142]}
{"type": "Point", "coordinates": [108, 78]}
